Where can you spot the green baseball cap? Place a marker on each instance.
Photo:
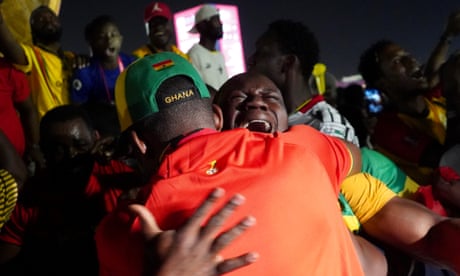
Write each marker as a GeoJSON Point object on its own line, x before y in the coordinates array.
{"type": "Point", "coordinates": [136, 89]}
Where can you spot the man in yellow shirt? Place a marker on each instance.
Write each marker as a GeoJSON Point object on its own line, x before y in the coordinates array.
{"type": "Point", "coordinates": [48, 66]}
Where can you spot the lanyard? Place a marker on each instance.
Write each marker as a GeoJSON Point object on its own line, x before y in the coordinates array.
{"type": "Point", "coordinates": [121, 67]}
{"type": "Point", "coordinates": [308, 104]}
{"type": "Point", "coordinates": [44, 70]}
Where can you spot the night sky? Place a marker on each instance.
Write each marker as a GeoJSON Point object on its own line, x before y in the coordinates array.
{"type": "Point", "coordinates": [344, 28]}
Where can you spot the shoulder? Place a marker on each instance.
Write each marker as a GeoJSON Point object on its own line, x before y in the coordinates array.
{"type": "Point", "coordinates": [127, 59]}
{"type": "Point", "coordinates": [92, 67]}
{"type": "Point", "coordinates": [142, 51]}
{"type": "Point", "coordinates": [195, 48]}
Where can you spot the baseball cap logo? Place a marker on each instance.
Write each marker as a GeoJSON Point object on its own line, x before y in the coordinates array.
{"type": "Point", "coordinates": [183, 95]}
{"type": "Point", "coordinates": [156, 8]}
{"type": "Point", "coordinates": [163, 64]}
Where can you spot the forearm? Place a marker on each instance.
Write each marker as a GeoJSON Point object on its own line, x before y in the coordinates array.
{"type": "Point", "coordinates": [8, 44]}
{"type": "Point", "coordinates": [372, 259]}
{"type": "Point", "coordinates": [437, 58]}
{"type": "Point", "coordinates": [441, 245]}
{"type": "Point", "coordinates": [411, 227]}
{"type": "Point", "coordinates": [30, 124]}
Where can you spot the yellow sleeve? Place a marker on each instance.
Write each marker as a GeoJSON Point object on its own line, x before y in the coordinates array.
{"type": "Point", "coordinates": [31, 59]}
{"type": "Point", "coordinates": [366, 195]}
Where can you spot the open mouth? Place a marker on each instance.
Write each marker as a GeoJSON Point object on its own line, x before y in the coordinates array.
{"type": "Point", "coordinates": [417, 74]}
{"type": "Point", "coordinates": [111, 51]}
{"type": "Point", "coordinates": [259, 126]}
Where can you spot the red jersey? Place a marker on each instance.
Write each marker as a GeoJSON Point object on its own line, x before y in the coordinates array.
{"type": "Point", "coordinates": [14, 88]}
{"type": "Point", "coordinates": [405, 139]}
{"type": "Point", "coordinates": [290, 181]}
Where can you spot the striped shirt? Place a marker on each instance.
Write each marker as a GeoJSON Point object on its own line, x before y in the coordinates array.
{"type": "Point", "coordinates": [318, 114]}
{"type": "Point", "coordinates": [8, 195]}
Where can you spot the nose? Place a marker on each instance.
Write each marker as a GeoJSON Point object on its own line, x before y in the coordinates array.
{"type": "Point", "coordinates": [410, 61]}
{"type": "Point", "coordinates": [255, 102]}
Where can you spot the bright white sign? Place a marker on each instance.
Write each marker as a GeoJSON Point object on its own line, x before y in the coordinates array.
{"type": "Point", "coordinates": [230, 45]}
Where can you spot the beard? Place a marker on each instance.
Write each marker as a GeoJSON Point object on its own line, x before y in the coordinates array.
{"type": "Point", "coordinates": [47, 36]}
{"type": "Point", "coordinates": [218, 34]}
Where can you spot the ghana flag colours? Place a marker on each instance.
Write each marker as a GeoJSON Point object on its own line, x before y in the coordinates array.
{"type": "Point", "coordinates": [136, 88]}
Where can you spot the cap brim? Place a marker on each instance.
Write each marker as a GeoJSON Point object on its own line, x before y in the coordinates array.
{"type": "Point", "coordinates": [147, 20]}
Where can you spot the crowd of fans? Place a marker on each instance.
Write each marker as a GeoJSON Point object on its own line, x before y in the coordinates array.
{"type": "Point", "coordinates": [157, 162]}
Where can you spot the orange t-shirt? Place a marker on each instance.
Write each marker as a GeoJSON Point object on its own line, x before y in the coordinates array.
{"type": "Point", "coordinates": [290, 181]}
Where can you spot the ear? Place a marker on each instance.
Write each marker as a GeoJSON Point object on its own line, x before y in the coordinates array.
{"type": "Point", "coordinates": [289, 62]}
{"type": "Point", "coordinates": [140, 144]}
{"type": "Point", "coordinates": [218, 117]}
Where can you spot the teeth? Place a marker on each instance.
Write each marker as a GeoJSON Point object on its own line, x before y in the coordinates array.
{"type": "Point", "coordinates": [258, 125]}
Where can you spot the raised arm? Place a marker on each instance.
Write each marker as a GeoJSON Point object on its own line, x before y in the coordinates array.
{"type": "Point", "coordinates": [9, 46]}
{"type": "Point", "coordinates": [415, 229]}
{"type": "Point", "coordinates": [440, 51]}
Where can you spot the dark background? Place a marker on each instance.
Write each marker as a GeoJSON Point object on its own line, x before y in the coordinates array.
{"type": "Point", "coordinates": [344, 28]}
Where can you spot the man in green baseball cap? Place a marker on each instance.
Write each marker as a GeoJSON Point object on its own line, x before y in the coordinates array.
{"type": "Point", "coordinates": [165, 109]}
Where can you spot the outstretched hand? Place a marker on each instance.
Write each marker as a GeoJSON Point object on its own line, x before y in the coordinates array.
{"type": "Point", "coordinates": [193, 249]}
{"type": "Point", "coordinates": [80, 61]}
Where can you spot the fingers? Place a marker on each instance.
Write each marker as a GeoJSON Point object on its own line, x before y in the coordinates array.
{"type": "Point", "coordinates": [227, 237]}
{"type": "Point", "coordinates": [217, 220]}
{"type": "Point", "coordinates": [198, 217]}
{"type": "Point", "coordinates": [237, 262]}
{"type": "Point", "coordinates": [148, 223]}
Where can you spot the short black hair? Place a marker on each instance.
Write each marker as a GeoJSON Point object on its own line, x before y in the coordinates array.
{"type": "Point", "coordinates": [63, 113]}
{"type": "Point", "coordinates": [297, 39]}
{"type": "Point", "coordinates": [369, 64]}
{"type": "Point", "coordinates": [92, 27]}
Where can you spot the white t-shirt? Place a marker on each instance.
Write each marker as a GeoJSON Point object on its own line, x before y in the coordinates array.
{"type": "Point", "coordinates": [210, 65]}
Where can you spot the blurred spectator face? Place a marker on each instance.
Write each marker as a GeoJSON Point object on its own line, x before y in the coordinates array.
{"type": "Point", "coordinates": [67, 145]}
{"type": "Point", "coordinates": [400, 72]}
{"type": "Point", "coordinates": [106, 41]}
{"type": "Point", "coordinates": [160, 32]}
{"type": "Point", "coordinates": [268, 59]}
{"type": "Point", "coordinates": [215, 27]}
{"type": "Point", "coordinates": [45, 25]}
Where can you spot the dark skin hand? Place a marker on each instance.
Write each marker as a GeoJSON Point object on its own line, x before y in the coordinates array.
{"type": "Point", "coordinates": [80, 61]}
{"type": "Point", "coordinates": [193, 249]}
